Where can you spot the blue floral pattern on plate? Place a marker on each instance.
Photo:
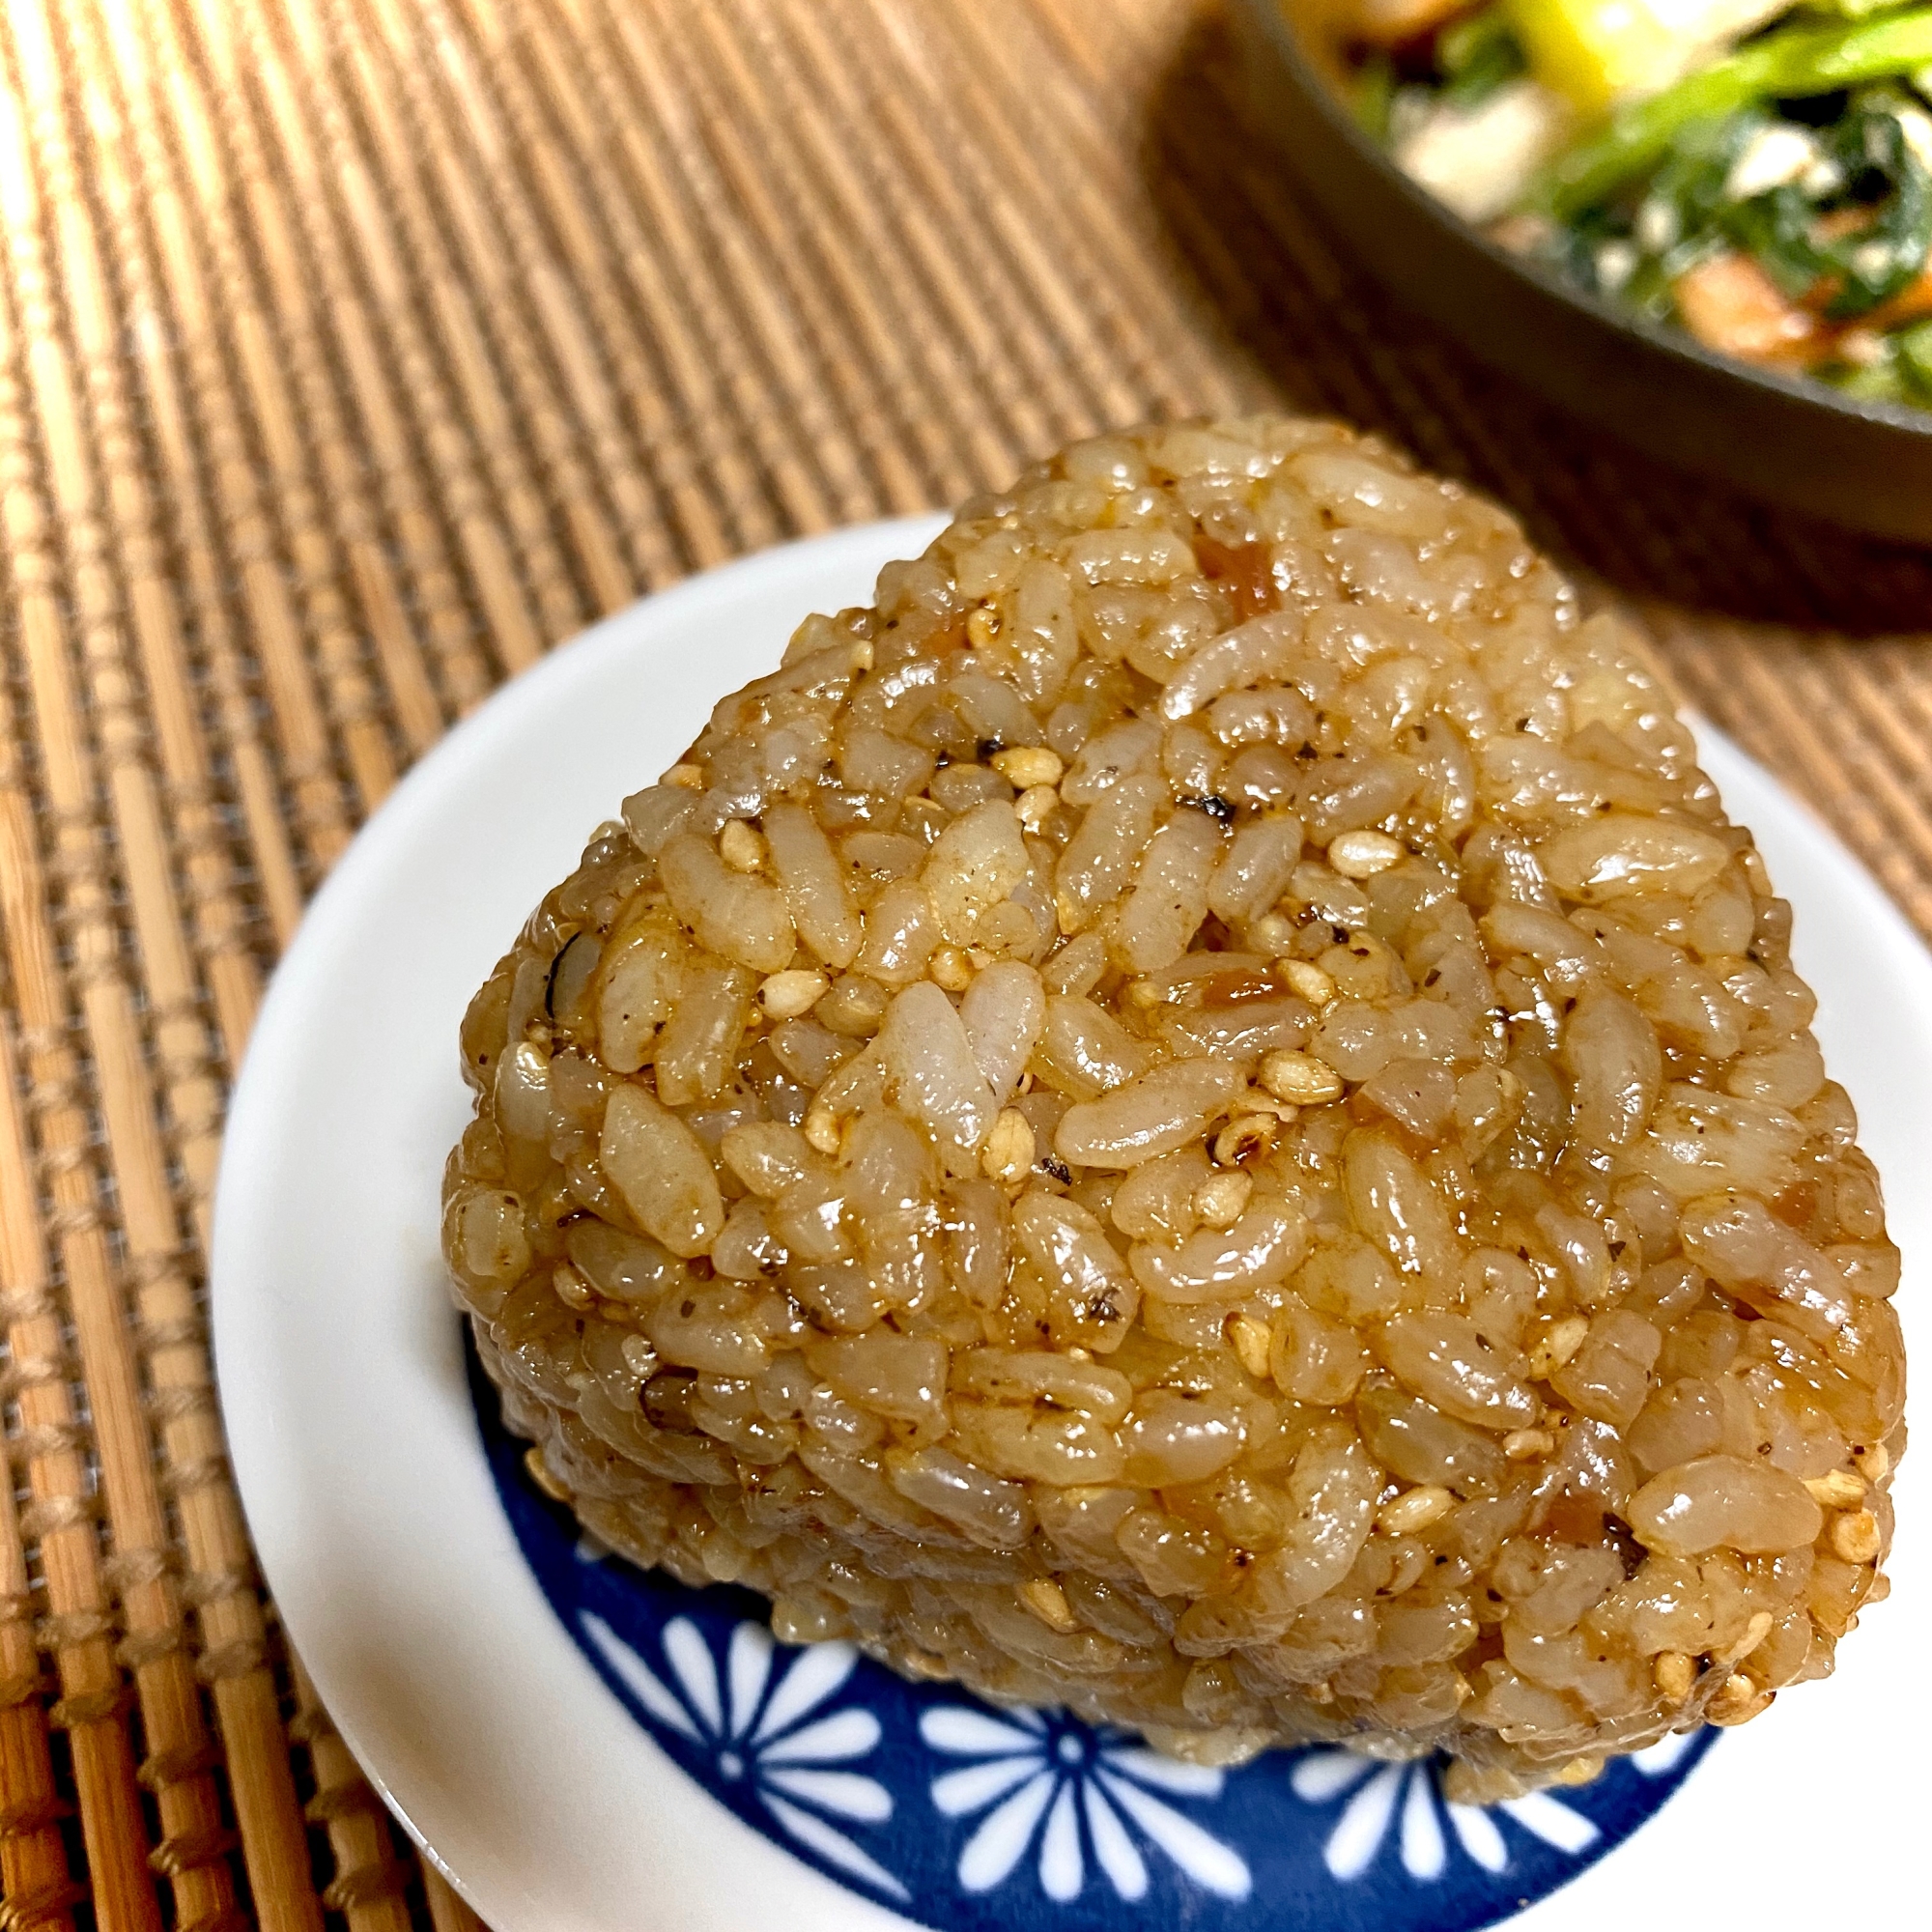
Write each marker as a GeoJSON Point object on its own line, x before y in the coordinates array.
{"type": "Point", "coordinates": [968, 1818]}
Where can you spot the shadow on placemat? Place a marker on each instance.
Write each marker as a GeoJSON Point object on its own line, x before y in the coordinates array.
{"type": "Point", "coordinates": [1335, 342]}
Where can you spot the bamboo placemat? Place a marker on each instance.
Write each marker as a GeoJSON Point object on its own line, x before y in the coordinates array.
{"type": "Point", "coordinates": [354, 351]}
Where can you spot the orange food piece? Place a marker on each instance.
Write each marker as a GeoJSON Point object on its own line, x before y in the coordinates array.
{"type": "Point", "coordinates": [1841, 222]}
{"type": "Point", "coordinates": [1909, 304]}
{"type": "Point", "coordinates": [1390, 23]}
{"type": "Point", "coordinates": [1731, 305]}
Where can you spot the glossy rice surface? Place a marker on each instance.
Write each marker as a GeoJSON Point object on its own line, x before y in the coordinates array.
{"type": "Point", "coordinates": [1199, 1115]}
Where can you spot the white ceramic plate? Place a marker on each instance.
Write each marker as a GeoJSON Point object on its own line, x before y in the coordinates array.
{"type": "Point", "coordinates": [476, 1712]}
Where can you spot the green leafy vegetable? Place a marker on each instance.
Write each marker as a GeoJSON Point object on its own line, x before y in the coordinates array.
{"type": "Point", "coordinates": [1789, 65]}
{"type": "Point", "coordinates": [1880, 381]}
{"type": "Point", "coordinates": [1850, 9]}
{"type": "Point", "coordinates": [1912, 350]}
{"type": "Point", "coordinates": [1777, 229]}
{"type": "Point", "coordinates": [1375, 95]}
{"type": "Point", "coordinates": [1877, 262]}
{"type": "Point", "coordinates": [1476, 56]}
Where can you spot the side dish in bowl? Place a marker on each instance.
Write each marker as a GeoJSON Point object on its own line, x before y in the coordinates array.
{"type": "Point", "coordinates": [1749, 172]}
{"type": "Point", "coordinates": [1199, 1115]}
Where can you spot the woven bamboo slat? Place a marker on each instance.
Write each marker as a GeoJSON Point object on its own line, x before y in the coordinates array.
{"type": "Point", "coordinates": [352, 352]}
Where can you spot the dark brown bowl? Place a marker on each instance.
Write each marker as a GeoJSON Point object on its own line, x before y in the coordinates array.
{"type": "Point", "coordinates": [1777, 437]}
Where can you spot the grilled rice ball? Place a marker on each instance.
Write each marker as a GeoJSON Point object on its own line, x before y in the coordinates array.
{"type": "Point", "coordinates": [1199, 1115]}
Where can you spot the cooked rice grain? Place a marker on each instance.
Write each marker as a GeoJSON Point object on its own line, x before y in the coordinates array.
{"type": "Point", "coordinates": [1200, 1115]}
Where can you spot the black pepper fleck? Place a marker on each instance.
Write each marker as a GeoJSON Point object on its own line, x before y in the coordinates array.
{"type": "Point", "coordinates": [1217, 807]}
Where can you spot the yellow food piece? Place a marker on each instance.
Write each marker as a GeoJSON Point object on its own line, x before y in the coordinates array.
{"type": "Point", "coordinates": [1598, 52]}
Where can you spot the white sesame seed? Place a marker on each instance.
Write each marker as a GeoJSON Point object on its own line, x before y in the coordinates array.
{"type": "Point", "coordinates": [1028, 766]}
{"type": "Point", "coordinates": [1415, 1509]}
{"type": "Point", "coordinates": [1300, 1079]}
{"type": "Point", "coordinates": [1675, 1675]}
{"type": "Point", "coordinates": [1271, 934]}
{"type": "Point", "coordinates": [1035, 805]}
{"type": "Point", "coordinates": [1362, 855]}
{"type": "Point", "coordinates": [785, 995]}
{"type": "Point", "coordinates": [1560, 1342]}
{"type": "Point", "coordinates": [950, 968]}
{"type": "Point", "coordinates": [1854, 1536]}
{"type": "Point", "coordinates": [741, 847]}
{"type": "Point", "coordinates": [1308, 979]}
{"type": "Point", "coordinates": [1047, 1601]}
{"type": "Point", "coordinates": [1252, 1343]}
{"type": "Point", "coordinates": [1010, 1147]}
{"type": "Point", "coordinates": [1221, 1198]}
{"type": "Point", "coordinates": [1737, 1701]}
{"type": "Point", "coordinates": [983, 627]}
{"type": "Point", "coordinates": [1841, 1489]}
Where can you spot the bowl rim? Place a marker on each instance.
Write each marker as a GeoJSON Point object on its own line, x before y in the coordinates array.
{"type": "Point", "coordinates": [1274, 19]}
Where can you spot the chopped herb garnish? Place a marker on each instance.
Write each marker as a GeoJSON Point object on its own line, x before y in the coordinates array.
{"type": "Point", "coordinates": [1375, 94]}
{"type": "Point", "coordinates": [1478, 55]}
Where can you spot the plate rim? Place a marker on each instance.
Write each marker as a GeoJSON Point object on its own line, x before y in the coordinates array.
{"type": "Point", "coordinates": [257, 1441]}
{"type": "Point", "coordinates": [252, 1432]}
